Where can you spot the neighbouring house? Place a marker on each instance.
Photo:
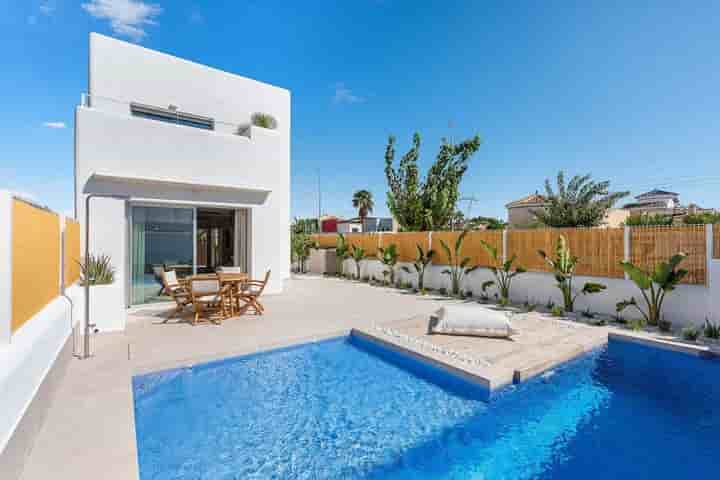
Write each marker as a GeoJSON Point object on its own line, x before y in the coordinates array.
{"type": "Point", "coordinates": [654, 202]}
{"type": "Point", "coordinates": [379, 224]}
{"type": "Point", "coordinates": [194, 184]}
{"type": "Point", "coordinates": [661, 202]}
{"type": "Point", "coordinates": [353, 225]}
{"type": "Point", "coordinates": [520, 212]}
{"type": "Point", "coordinates": [329, 224]}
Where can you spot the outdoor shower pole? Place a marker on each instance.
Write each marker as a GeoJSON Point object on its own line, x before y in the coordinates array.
{"type": "Point", "coordinates": [86, 337]}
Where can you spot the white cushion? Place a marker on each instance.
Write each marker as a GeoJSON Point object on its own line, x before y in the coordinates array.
{"type": "Point", "coordinates": [230, 270]}
{"type": "Point", "coordinates": [471, 319]}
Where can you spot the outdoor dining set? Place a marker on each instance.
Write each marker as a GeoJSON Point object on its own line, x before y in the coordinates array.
{"type": "Point", "coordinates": [215, 296]}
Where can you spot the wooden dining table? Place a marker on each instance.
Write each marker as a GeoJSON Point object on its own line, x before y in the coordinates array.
{"type": "Point", "coordinates": [235, 280]}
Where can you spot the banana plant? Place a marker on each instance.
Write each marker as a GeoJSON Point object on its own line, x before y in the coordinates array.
{"type": "Point", "coordinates": [342, 251]}
{"type": "Point", "coordinates": [654, 286]}
{"type": "Point", "coordinates": [357, 254]}
{"type": "Point", "coordinates": [458, 265]}
{"type": "Point", "coordinates": [563, 266]}
{"type": "Point", "coordinates": [389, 257]}
{"type": "Point", "coordinates": [420, 264]}
{"type": "Point", "coordinates": [502, 271]}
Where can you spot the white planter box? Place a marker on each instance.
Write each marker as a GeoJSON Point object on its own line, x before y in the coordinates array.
{"type": "Point", "coordinates": [107, 307]}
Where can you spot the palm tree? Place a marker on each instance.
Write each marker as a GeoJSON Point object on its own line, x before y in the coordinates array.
{"type": "Point", "coordinates": [363, 201]}
{"type": "Point", "coordinates": [581, 202]}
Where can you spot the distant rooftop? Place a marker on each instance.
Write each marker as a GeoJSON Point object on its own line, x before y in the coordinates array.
{"type": "Point", "coordinates": [532, 199]}
{"type": "Point", "coordinates": [655, 192]}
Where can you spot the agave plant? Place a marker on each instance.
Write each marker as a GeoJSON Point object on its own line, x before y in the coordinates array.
{"type": "Point", "coordinates": [342, 251]}
{"type": "Point", "coordinates": [563, 266]}
{"type": "Point", "coordinates": [654, 286]}
{"type": "Point", "coordinates": [389, 257]}
{"type": "Point", "coordinates": [97, 270]}
{"type": "Point", "coordinates": [502, 271]}
{"type": "Point", "coordinates": [357, 254]}
{"type": "Point", "coordinates": [420, 264]}
{"type": "Point", "coordinates": [459, 266]}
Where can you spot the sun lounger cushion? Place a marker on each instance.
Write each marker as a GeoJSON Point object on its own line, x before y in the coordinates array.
{"type": "Point", "coordinates": [471, 319]}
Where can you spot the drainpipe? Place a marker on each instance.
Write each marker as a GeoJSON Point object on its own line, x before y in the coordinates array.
{"type": "Point", "coordinates": [88, 325]}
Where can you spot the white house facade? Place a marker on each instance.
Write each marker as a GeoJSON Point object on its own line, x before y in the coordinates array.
{"type": "Point", "coordinates": [180, 179]}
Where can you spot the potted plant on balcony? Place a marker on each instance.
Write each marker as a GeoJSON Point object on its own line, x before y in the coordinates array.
{"type": "Point", "coordinates": [263, 120]}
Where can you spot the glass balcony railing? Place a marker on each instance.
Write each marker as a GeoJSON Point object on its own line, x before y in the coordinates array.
{"type": "Point", "coordinates": [170, 114]}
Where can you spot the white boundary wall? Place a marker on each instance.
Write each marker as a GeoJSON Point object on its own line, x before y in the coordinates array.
{"type": "Point", "coordinates": [28, 354]}
{"type": "Point", "coordinates": [686, 305]}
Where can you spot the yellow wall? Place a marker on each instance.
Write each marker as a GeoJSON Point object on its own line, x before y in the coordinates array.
{"type": "Point", "coordinates": [72, 252]}
{"type": "Point", "coordinates": [35, 261]}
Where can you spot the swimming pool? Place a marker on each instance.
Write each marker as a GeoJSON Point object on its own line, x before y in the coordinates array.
{"type": "Point", "coordinates": [342, 409]}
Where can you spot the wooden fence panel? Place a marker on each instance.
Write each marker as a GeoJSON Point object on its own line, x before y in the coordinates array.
{"type": "Point", "coordinates": [473, 248]}
{"type": "Point", "coordinates": [599, 250]}
{"type": "Point", "coordinates": [407, 243]}
{"type": "Point", "coordinates": [326, 240]}
{"type": "Point", "coordinates": [651, 245]}
{"type": "Point", "coordinates": [716, 241]}
{"type": "Point", "coordinates": [366, 241]}
{"type": "Point", "coordinates": [72, 252]}
{"type": "Point", "coordinates": [35, 261]}
{"type": "Point", "coordinates": [449, 238]}
{"type": "Point", "coordinates": [525, 244]}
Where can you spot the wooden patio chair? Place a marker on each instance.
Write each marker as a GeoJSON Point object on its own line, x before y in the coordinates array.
{"type": "Point", "coordinates": [209, 297]}
{"type": "Point", "coordinates": [177, 290]}
{"type": "Point", "coordinates": [251, 291]}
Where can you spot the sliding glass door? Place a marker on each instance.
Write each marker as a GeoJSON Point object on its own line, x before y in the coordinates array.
{"type": "Point", "coordinates": [161, 238]}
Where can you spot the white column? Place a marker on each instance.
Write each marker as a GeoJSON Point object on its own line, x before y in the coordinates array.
{"type": "Point", "coordinates": [504, 245]}
{"type": "Point", "coordinates": [627, 242]}
{"type": "Point", "coordinates": [6, 221]}
{"type": "Point", "coordinates": [708, 254]}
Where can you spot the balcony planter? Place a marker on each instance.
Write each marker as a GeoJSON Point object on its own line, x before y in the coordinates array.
{"type": "Point", "coordinates": [322, 261]}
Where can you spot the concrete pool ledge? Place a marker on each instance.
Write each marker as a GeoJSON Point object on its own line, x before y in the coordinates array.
{"type": "Point", "coordinates": [667, 343]}
{"type": "Point", "coordinates": [493, 363]}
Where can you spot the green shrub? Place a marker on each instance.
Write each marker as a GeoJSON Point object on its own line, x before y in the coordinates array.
{"type": "Point", "coordinates": [637, 324]}
{"type": "Point", "coordinates": [711, 329]}
{"type": "Point", "coordinates": [690, 333]}
{"type": "Point", "coordinates": [264, 120]}
{"type": "Point", "coordinates": [665, 326]}
{"type": "Point", "coordinates": [644, 220]}
{"type": "Point", "coordinates": [557, 311]}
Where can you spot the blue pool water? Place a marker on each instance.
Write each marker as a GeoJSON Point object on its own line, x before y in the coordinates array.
{"type": "Point", "coordinates": [342, 409]}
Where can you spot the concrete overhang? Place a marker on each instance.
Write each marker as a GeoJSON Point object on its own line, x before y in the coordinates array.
{"type": "Point", "coordinates": [176, 191]}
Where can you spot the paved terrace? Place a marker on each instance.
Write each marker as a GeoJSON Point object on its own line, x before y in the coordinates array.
{"type": "Point", "coordinates": [89, 430]}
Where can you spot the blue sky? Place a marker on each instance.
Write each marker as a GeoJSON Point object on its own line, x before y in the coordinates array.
{"type": "Point", "coordinates": [628, 93]}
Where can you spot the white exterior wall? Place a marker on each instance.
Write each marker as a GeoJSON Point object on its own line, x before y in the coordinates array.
{"type": "Point", "coordinates": [687, 305]}
{"type": "Point", "coordinates": [110, 141]}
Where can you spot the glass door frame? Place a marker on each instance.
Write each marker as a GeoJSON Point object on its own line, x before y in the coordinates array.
{"type": "Point", "coordinates": [129, 276]}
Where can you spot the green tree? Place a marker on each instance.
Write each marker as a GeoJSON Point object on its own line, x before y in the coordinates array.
{"type": "Point", "coordinates": [363, 201]}
{"type": "Point", "coordinates": [342, 251]}
{"type": "Point", "coordinates": [426, 204]}
{"type": "Point", "coordinates": [502, 271]}
{"type": "Point", "coordinates": [459, 266]}
{"type": "Point", "coordinates": [563, 266]}
{"type": "Point", "coordinates": [389, 257]}
{"type": "Point", "coordinates": [645, 219]}
{"type": "Point", "coordinates": [300, 249]}
{"type": "Point", "coordinates": [579, 203]}
{"type": "Point", "coordinates": [357, 254]}
{"type": "Point", "coordinates": [420, 264]}
{"type": "Point", "coordinates": [701, 218]}
{"type": "Point", "coordinates": [654, 286]}
{"type": "Point", "coordinates": [490, 223]}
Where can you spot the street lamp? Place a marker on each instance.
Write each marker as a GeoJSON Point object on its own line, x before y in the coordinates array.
{"type": "Point", "coordinates": [86, 339]}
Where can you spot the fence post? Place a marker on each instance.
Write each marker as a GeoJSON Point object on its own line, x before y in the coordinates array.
{"type": "Point", "coordinates": [504, 245]}
{"type": "Point", "coordinates": [709, 246]}
{"type": "Point", "coordinates": [6, 221]}
{"type": "Point", "coordinates": [627, 245]}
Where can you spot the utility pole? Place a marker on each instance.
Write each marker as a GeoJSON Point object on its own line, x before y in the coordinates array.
{"type": "Point", "coordinates": [319, 222]}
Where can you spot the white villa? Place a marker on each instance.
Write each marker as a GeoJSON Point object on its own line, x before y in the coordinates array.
{"type": "Point", "coordinates": [194, 184]}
